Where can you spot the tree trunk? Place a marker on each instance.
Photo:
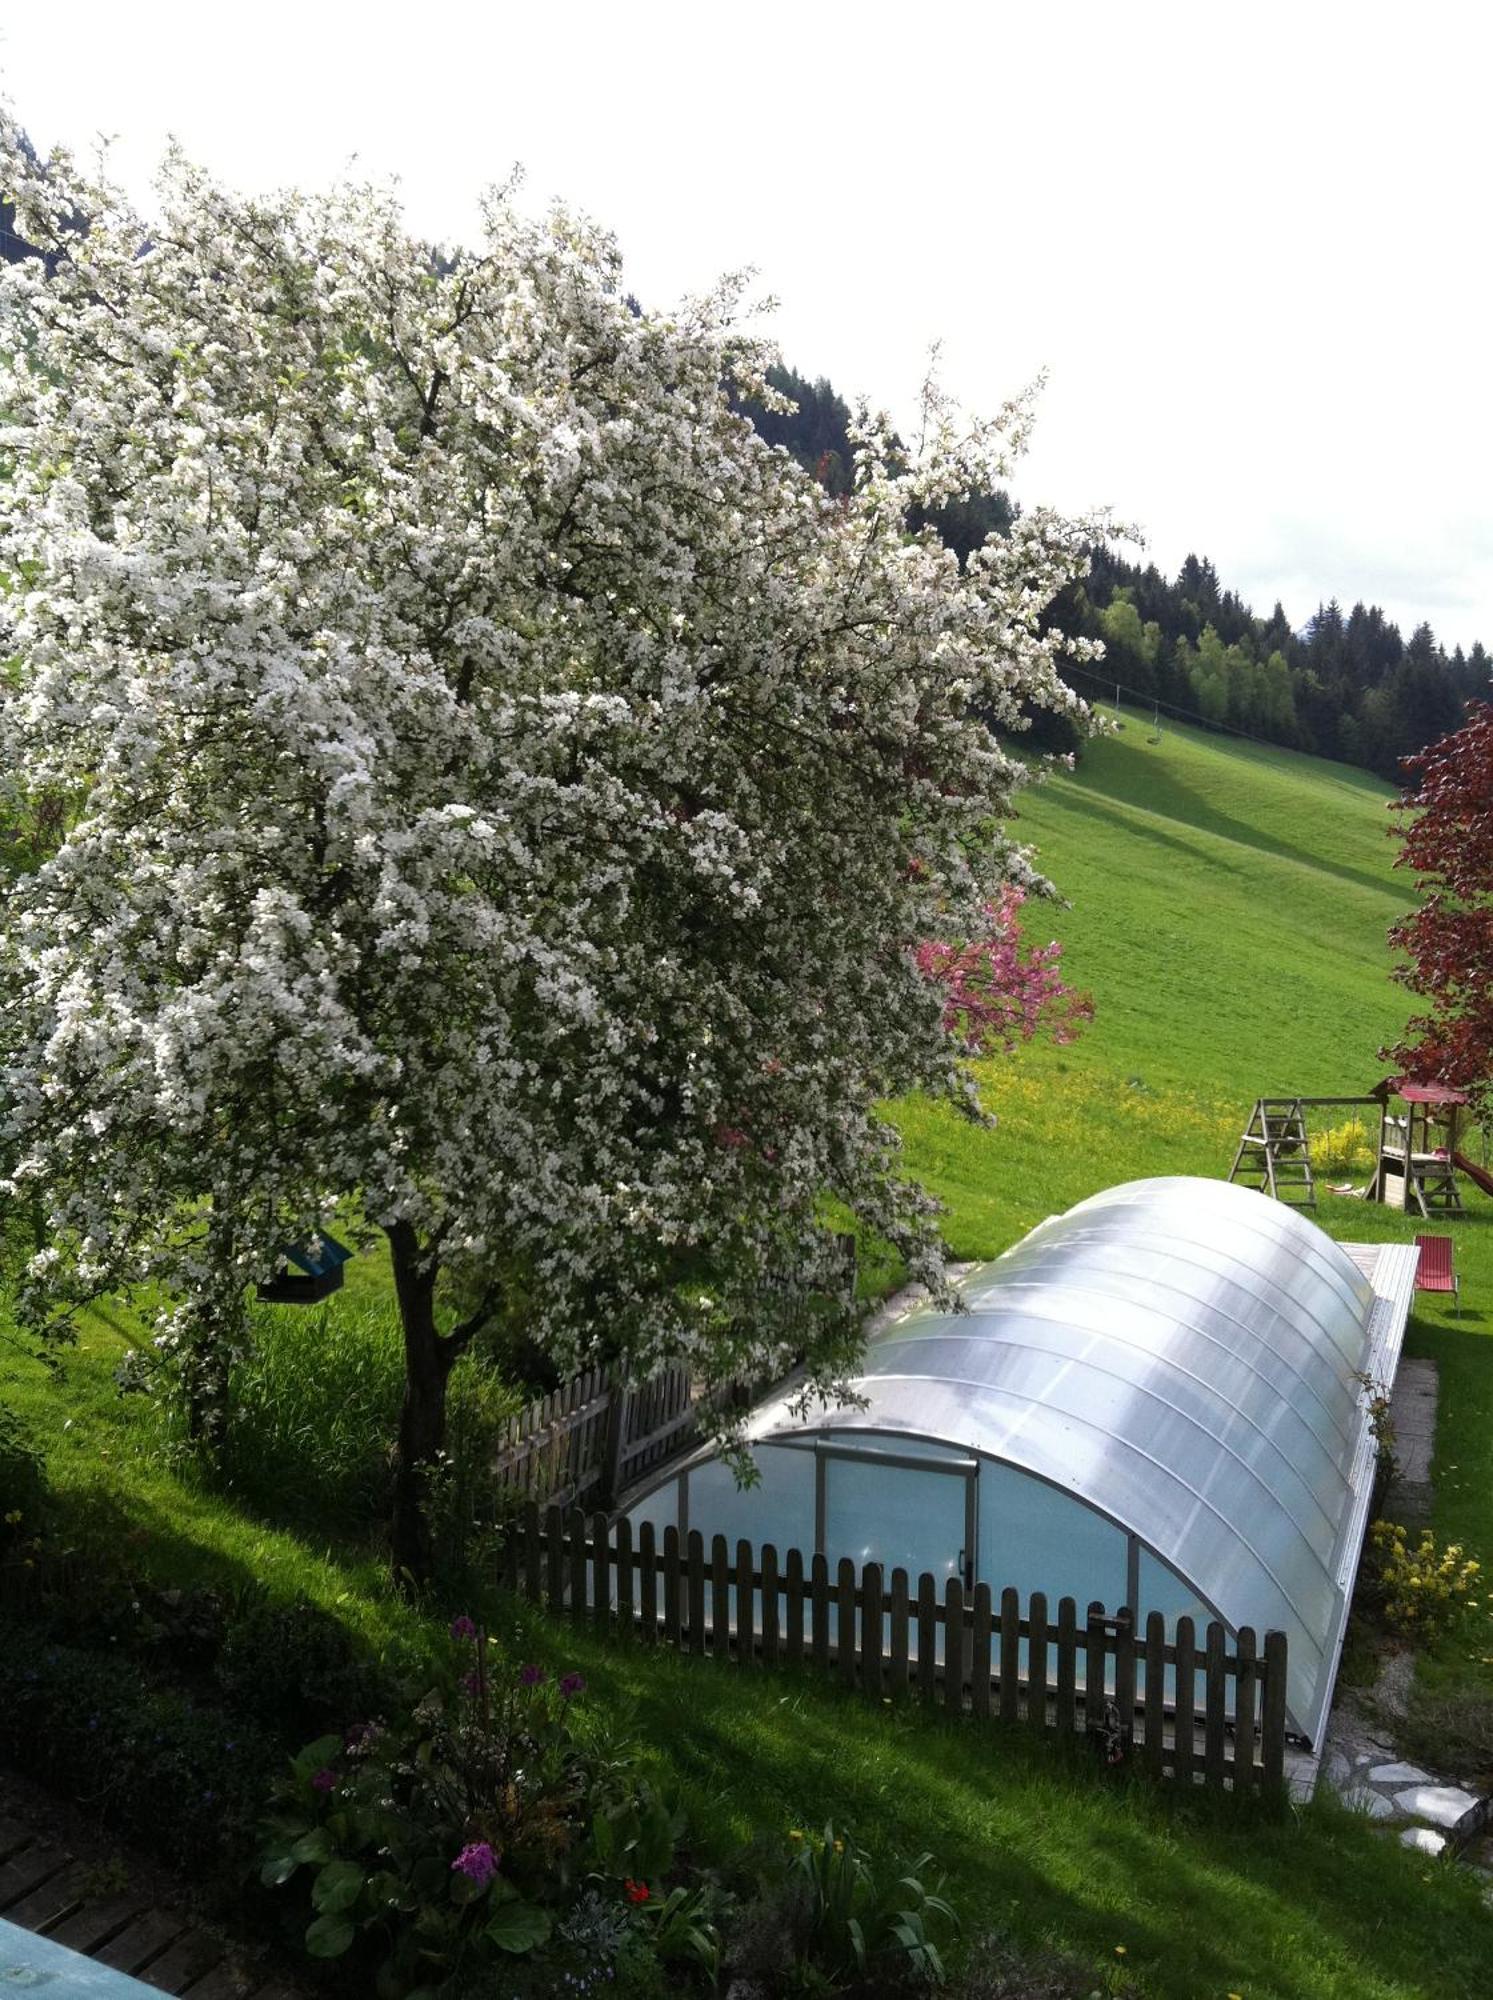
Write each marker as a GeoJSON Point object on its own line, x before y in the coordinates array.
{"type": "Point", "coordinates": [428, 1361]}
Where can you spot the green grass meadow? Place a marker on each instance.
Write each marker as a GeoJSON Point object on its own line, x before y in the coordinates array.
{"type": "Point", "coordinates": [1228, 906]}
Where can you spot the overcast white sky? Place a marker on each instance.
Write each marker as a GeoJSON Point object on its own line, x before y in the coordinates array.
{"type": "Point", "coordinates": [1249, 242]}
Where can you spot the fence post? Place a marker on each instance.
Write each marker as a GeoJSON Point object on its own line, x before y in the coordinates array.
{"type": "Point", "coordinates": [673, 1614]}
{"type": "Point", "coordinates": [626, 1610]}
{"type": "Point", "coordinates": [1184, 1726]}
{"type": "Point", "coordinates": [1095, 1638]}
{"type": "Point", "coordinates": [953, 1646]}
{"type": "Point", "coordinates": [871, 1630]}
{"type": "Point", "coordinates": [819, 1611]}
{"type": "Point", "coordinates": [1273, 1721]}
{"type": "Point", "coordinates": [927, 1638]}
{"type": "Point", "coordinates": [1010, 1654]}
{"type": "Point", "coordinates": [981, 1666]}
{"type": "Point", "coordinates": [601, 1573]}
{"type": "Point", "coordinates": [1125, 1678]}
{"type": "Point", "coordinates": [1213, 1719]}
{"type": "Point", "coordinates": [720, 1598]}
{"type": "Point", "coordinates": [1065, 1706]}
{"type": "Point", "coordinates": [694, 1588]}
{"type": "Point", "coordinates": [533, 1554]}
{"type": "Point", "coordinates": [897, 1674]}
{"type": "Point", "coordinates": [577, 1563]}
{"type": "Point", "coordinates": [647, 1583]}
{"type": "Point", "coordinates": [746, 1606]}
{"type": "Point", "coordinates": [1155, 1748]}
{"type": "Point", "coordinates": [845, 1622]}
{"type": "Point", "coordinates": [794, 1621]}
{"type": "Point", "coordinates": [1245, 1687]}
{"type": "Point", "coordinates": [554, 1558]}
{"type": "Point", "coordinates": [768, 1564]}
{"type": "Point", "coordinates": [1036, 1660]}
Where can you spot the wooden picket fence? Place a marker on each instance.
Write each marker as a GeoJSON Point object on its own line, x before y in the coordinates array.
{"type": "Point", "coordinates": [597, 1434]}
{"type": "Point", "coordinates": [1221, 1724]}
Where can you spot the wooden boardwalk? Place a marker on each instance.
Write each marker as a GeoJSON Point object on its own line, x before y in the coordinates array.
{"type": "Point", "coordinates": [43, 1888]}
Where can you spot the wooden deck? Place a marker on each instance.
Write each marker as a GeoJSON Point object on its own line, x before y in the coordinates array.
{"type": "Point", "coordinates": [43, 1888]}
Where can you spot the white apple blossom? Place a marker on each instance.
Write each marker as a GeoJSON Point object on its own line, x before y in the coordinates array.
{"type": "Point", "coordinates": [502, 791]}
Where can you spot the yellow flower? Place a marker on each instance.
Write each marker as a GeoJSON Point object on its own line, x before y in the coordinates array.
{"type": "Point", "coordinates": [12, 1517]}
{"type": "Point", "coordinates": [839, 1847]}
{"type": "Point", "coordinates": [795, 1835]}
{"type": "Point", "coordinates": [1119, 1951]}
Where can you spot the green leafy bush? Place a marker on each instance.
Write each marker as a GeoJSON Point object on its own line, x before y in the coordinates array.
{"type": "Point", "coordinates": [185, 1778]}
{"type": "Point", "coordinates": [21, 1481]}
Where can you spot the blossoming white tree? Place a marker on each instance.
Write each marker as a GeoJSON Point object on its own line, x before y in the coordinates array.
{"type": "Point", "coordinates": [502, 791]}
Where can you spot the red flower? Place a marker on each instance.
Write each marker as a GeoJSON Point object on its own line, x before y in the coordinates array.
{"type": "Point", "coordinates": [635, 1892]}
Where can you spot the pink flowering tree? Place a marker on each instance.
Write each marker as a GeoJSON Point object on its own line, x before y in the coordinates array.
{"type": "Point", "coordinates": [998, 990]}
{"type": "Point", "coordinates": [502, 790]}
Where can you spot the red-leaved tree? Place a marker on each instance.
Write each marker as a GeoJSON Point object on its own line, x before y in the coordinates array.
{"type": "Point", "coordinates": [1448, 940]}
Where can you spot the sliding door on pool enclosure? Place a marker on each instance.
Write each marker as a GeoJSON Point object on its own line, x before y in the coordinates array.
{"type": "Point", "coordinates": [899, 1510]}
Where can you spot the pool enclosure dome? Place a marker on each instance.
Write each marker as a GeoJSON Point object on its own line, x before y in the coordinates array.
{"type": "Point", "coordinates": [1156, 1399]}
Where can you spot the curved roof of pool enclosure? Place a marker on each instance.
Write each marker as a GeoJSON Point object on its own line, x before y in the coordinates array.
{"type": "Point", "coordinates": [1186, 1358]}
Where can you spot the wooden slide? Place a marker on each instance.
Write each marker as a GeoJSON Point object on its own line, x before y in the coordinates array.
{"type": "Point", "coordinates": [1479, 1176]}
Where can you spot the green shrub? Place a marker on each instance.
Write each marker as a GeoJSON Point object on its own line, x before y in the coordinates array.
{"type": "Point", "coordinates": [184, 1778]}
{"type": "Point", "coordinates": [22, 1483]}
{"type": "Point", "coordinates": [294, 1668]}
{"type": "Point", "coordinates": [1420, 1589]}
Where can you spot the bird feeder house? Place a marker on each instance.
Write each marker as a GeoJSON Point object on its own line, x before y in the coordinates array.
{"type": "Point", "coordinates": [307, 1272]}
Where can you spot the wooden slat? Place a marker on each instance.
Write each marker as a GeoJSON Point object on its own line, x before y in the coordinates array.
{"type": "Point", "coordinates": [770, 1608]}
{"type": "Point", "coordinates": [1125, 1677]}
{"type": "Point", "coordinates": [193, 1954]}
{"type": "Point", "coordinates": [12, 1835]}
{"type": "Point", "coordinates": [601, 1574]}
{"type": "Point", "coordinates": [554, 1549]}
{"type": "Point", "coordinates": [898, 1652]}
{"type": "Point", "coordinates": [1036, 1661]}
{"type": "Point", "coordinates": [93, 1923]}
{"type": "Point", "coordinates": [1010, 1654]}
{"type": "Point", "coordinates": [694, 1591]}
{"type": "Point", "coordinates": [1215, 1690]}
{"type": "Point", "coordinates": [647, 1583]}
{"type": "Point", "coordinates": [1093, 1671]}
{"type": "Point", "coordinates": [720, 1597]}
{"type": "Point", "coordinates": [1273, 1732]}
{"type": "Point", "coordinates": [1184, 1725]}
{"type": "Point", "coordinates": [953, 1646]}
{"type": "Point", "coordinates": [927, 1638]}
{"type": "Point", "coordinates": [793, 1630]}
{"type": "Point", "coordinates": [845, 1622]}
{"type": "Point", "coordinates": [1155, 1745]}
{"type": "Point", "coordinates": [625, 1612]}
{"type": "Point", "coordinates": [1245, 1689]}
{"type": "Point", "coordinates": [746, 1605]}
{"type": "Point", "coordinates": [872, 1628]}
{"type": "Point", "coordinates": [576, 1533]}
{"type": "Point", "coordinates": [138, 1943]}
{"type": "Point", "coordinates": [1066, 1694]}
{"type": "Point", "coordinates": [57, 1898]}
{"type": "Point", "coordinates": [981, 1665]}
{"type": "Point", "coordinates": [27, 1870]}
{"type": "Point", "coordinates": [673, 1607]}
{"type": "Point", "coordinates": [819, 1611]}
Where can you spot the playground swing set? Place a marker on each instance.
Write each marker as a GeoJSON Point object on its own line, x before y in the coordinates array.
{"type": "Point", "coordinates": [1418, 1158]}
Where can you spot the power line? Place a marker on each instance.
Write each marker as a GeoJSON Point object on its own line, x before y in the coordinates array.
{"type": "Point", "coordinates": [1106, 682]}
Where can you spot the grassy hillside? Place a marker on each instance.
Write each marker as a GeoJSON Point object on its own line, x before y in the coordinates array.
{"type": "Point", "coordinates": [1228, 913]}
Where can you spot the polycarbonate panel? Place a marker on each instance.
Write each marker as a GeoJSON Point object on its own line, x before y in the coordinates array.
{"type": "Point", "coordinates": [1034, 1537]}
{"type": "Point", "coordinates": [1181, 1355]}
{"type": "Point", "coordinates": [779, 1508]}
{"type": "Point", "coordinates": [902, 1517]}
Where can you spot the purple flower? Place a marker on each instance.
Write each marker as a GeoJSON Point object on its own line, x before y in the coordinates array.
{"type": "Point", "coordinates": [477, 1861]}
{"type": "Point", "coordinates": [325, 1780]}
{"type": "Point", "coordinates": [471, 1683]}
{"type": "Point", "coordinates": [573, 1684]}
{"type": "Point", "coordinates": [530, 1677]}
{"type": "Point", "coordinates": [359, 1737]}
{"type": "Point", "coordinates": [463, 1628]}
